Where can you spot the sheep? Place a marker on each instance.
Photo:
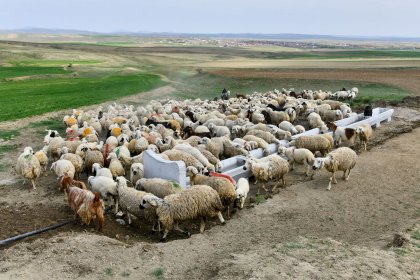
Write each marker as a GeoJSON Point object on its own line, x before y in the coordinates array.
{"type": "Point", "coordinates": [92, 157]}
{"type": "Point", "coordinates": [98, 170]}
{"type": "Point", "coordinates": [71, 145]}
{"type": "Point", "coordinates": [198, 201]}
{"type": "Point", "coordinates": [42, 156]}
{"type": "Point", "coordinates": [268, 168]}
{"type": "Point", "coordinates": [196, 153]}
{"type": "Point", "coordinates": [76, 160]}
{"type": "Point", "coordinates": [214, 145]}
{"type": "Point", "coordinates": [313, 143]}
{"type": "Point", "coordinates": [342, 133]}
{"type": "Point", "coordinates": [341, 159]}
{"type": "Point", "coordinates": [28, 166]}
{"type": "Point", "coordinates": [241, 191]}
{"type": "Point", "coordinates": [332, 115]}
{"type": "Point", "coordinates": [231, 149]}
{"type": "Point", "coordinates": [210, 157]}
{"type": "Point", "coordinates": [123, 154]}
{"type": "Point", "coordinates": [158, 187]}
{"type": "Point", "coordinates": [364, 132]}
{"type": "Point", "coordinates": [278, 117]}
{"type": "Point", "coordinates": [223, 186]}
{"type": "Point", "coordinates": [50, 134]}
{"type": "Point", "coordinates": [62, 166]}
{"type": "Point", "coordinates": [268, 137]}
{"type": "Point", "coordinates": [136, 172]}
{"type": "Point", "coordinates": [301, 155]}
{"type": "Point", "coordinates": [129, 200]}
{"type": "Point", "coordinates": [300, 129]}
{"type": "Point", "coordinates": [54, 147]}
{"type": "Point", "coordinates": [261, 142]}
{"type": "Point", "coordinates": [315, 120]}
{"type": "Point", "coordinates": [188, 159]}
{"type": "Point", "coordinates": [218, 131]}
{"type": "Point", "coordinates": [287, 126]}
{"type": "Point", "coordinates": [115, 166]}
{"type": "Point", "coordinates": [106, 187]}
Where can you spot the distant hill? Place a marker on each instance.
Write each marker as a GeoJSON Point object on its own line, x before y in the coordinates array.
{"type": "Point", "coordinates": [260, 36]}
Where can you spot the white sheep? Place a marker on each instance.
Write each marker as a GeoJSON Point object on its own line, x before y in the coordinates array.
{"type": "Point", "coordinates": [159, 187]}
{"type": "Point", "coordinates": [261, 142]}
{"type": "Point", "coordinates": [28, 166]}
{"type": "Point", "coordinates": [136, 172]}
{"type": "Point", "coordinates": [341, 159]}
{"type": "Point", "coordinates": [268, 168]}
{"type": "Point", "coordinates": [196, 202]}
{"type": "Point", "coordinates": [98, 170]}
{"type": "Point", "coordinates": [129, 200]}
{"type": "Point", "coordinates": [364, 132]}
{"type": "Point", "coordinates": [313, 143]}
{"type": "Point", "coordinates": [185, 147]}
{"type": "Point", "coordinates": [302, 156]}
{"type": "Point", "coordinates": [242, 189]}
{"type": "Point", "coordinates": [42, 156]}
{"type": "Point", "coordinates": [287, 126]}
{"type": "Point", "coordinates": [218, 131]}
{"type": "Point", "coordinates": [62, 166]}
{"type": "Point", "coordinates": [106, 187]}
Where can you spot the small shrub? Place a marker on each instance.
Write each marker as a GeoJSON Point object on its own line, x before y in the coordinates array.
{"type": "Point", "coordinates": [159, 273]}
{"type": "Point", "coordinates": [109, 271]}
{"type": "Point", "coordinates": [259, 199]}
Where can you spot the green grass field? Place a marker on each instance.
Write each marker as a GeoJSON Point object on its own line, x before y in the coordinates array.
{"type": "Point", "coordinates": [22, 71]}
{"type": "Point", "coordinates": [34, 97]}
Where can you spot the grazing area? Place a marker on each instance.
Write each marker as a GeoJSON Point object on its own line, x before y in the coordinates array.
{"type": "Point", "coordinates": [94, 118]}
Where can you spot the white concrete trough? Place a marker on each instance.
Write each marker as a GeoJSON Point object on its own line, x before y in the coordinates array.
{"type": "Point", "coordinates": [156, 167]}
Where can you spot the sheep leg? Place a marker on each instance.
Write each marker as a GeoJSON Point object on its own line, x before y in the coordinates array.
{"type": "Point", "coordinates": [187, 233]}
{"type": "Point", "coordinates": [348, 175]}
{"type": "Point", "coordinates": [202, 225]}
{"type": "Point", "coordinates": [333, 176]}
{"type": "Point", "coordinates": [263, 186]}
{"type": "Point", "coordinates": [220, 216]}
{"type": "Point", "coordinates": [365, 145]}
{"type": "Point", "coordinates": [33, 184]}
{"type": "Point", "coordinates": [293, 165]}
{"type": "Point", "coordinates": [228, 212]}
{"type": "Point", "coordinates": [165, 233]}
{"type": "Point", "coordinates": [116, 204]}
{"type": "Point", "coordinates": [129, 218]}
{"type": "Point", "coordinates": [329, 184]}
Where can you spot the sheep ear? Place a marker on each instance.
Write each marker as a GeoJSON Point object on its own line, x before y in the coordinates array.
{"type": "Point", "coordinates": [153, 202]}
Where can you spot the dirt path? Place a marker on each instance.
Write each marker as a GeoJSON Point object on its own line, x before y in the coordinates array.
{"type": "Point", "coordinates": [289, 236]}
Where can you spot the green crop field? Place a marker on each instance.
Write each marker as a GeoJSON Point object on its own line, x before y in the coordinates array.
{"type": "Point", "coordinates": [33, 97]}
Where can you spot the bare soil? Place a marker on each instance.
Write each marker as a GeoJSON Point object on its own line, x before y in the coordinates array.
{"type": "Point", "coordinates": [302, 232]}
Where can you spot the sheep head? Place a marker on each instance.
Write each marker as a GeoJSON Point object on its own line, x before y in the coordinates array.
{"type": "Point", "coordinates": [150, 200]}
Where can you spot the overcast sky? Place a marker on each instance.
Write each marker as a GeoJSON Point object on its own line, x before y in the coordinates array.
{"type": "Point", "coordinates": [332, 17]}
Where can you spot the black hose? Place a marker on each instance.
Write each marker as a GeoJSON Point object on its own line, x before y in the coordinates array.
{"type": "Point", "coordinates": [35, 232]}
{"type": "Point", "coordinates": [38, 231]}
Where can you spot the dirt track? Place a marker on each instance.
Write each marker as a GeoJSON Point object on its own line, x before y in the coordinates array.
{"type": "Point", "coordinates": [381, 198]}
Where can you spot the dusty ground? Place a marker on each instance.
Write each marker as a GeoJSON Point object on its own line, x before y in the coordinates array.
{"type": "Point", "coordinates": [303, 232]}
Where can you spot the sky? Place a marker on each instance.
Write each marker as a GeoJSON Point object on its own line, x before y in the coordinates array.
{"type": "Point", "coordinates": [327, 17]}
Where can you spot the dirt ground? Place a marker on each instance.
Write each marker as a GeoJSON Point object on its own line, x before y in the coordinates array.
{"type": "Point", "coordinates": [303, 232]}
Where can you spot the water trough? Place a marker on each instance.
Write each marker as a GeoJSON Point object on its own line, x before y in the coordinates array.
{"type": "Point", "coordinates": [156, 167]}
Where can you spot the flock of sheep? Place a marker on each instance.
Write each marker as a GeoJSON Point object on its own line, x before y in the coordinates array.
{"type": "Point", "coordinates": [110, 144]}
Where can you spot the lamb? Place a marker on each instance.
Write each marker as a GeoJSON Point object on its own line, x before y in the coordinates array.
{"type": "Point", "coordinates": [287, 126]}
{"type": "Point", "coordinates": [341, 159]}
{"type": "Point", "coordinates": [115, 166]}
{"type": "Point", "coordinates": [87, 205]}
{"type": "Point", "coordinates": [42, 156]}
{"type": "Point", "coordinates": [315, 120]}
{"type": "Point", "coordinates": [364, 132]}
{"type": "Point", "coordinates": [129, 200]}
{"type": "Point", "coordinates": [223, 186]}
{"type": "Point", "coordinates": [268, 168]}
{"type": "Point", "coordinates": [213, 145]}
{"type": "Point", "coordinates": [313, 143]}
{"type": "Point", "coordinates": [303, 156]}
{"type": "Point", "coordinates": [76, 160]}
{"type": "Point", "coordinates": [198, 201]}
{"type": "Point", "coordinates": [50, 134]}
{"type": "Point", "coordinates": [106, 187]}
{"type": "Point", "coordinates": [54, 147]}
{"type": "Point", "coordinates": [63, 166]}
{"type": "Point", "coordinates": [261, 142]}
{"type": "Point", "coordinates": [28, 166]}
{"type": "Point", "coordinates": [158, 187]}
{"type": "Point", "coordinates": [136, 172]}
{"type": "Point", "coordinates": [98, 170]}
{"type": "Point", "coordinates": [241, 191]}
{"type": "Point", "coordinates": [268, 137]}
{"type": "Point", "coordinates": [218, 131]}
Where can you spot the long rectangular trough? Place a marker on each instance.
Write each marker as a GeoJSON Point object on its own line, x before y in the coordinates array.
{"type": "Point", "coordinates": [156, 167]}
